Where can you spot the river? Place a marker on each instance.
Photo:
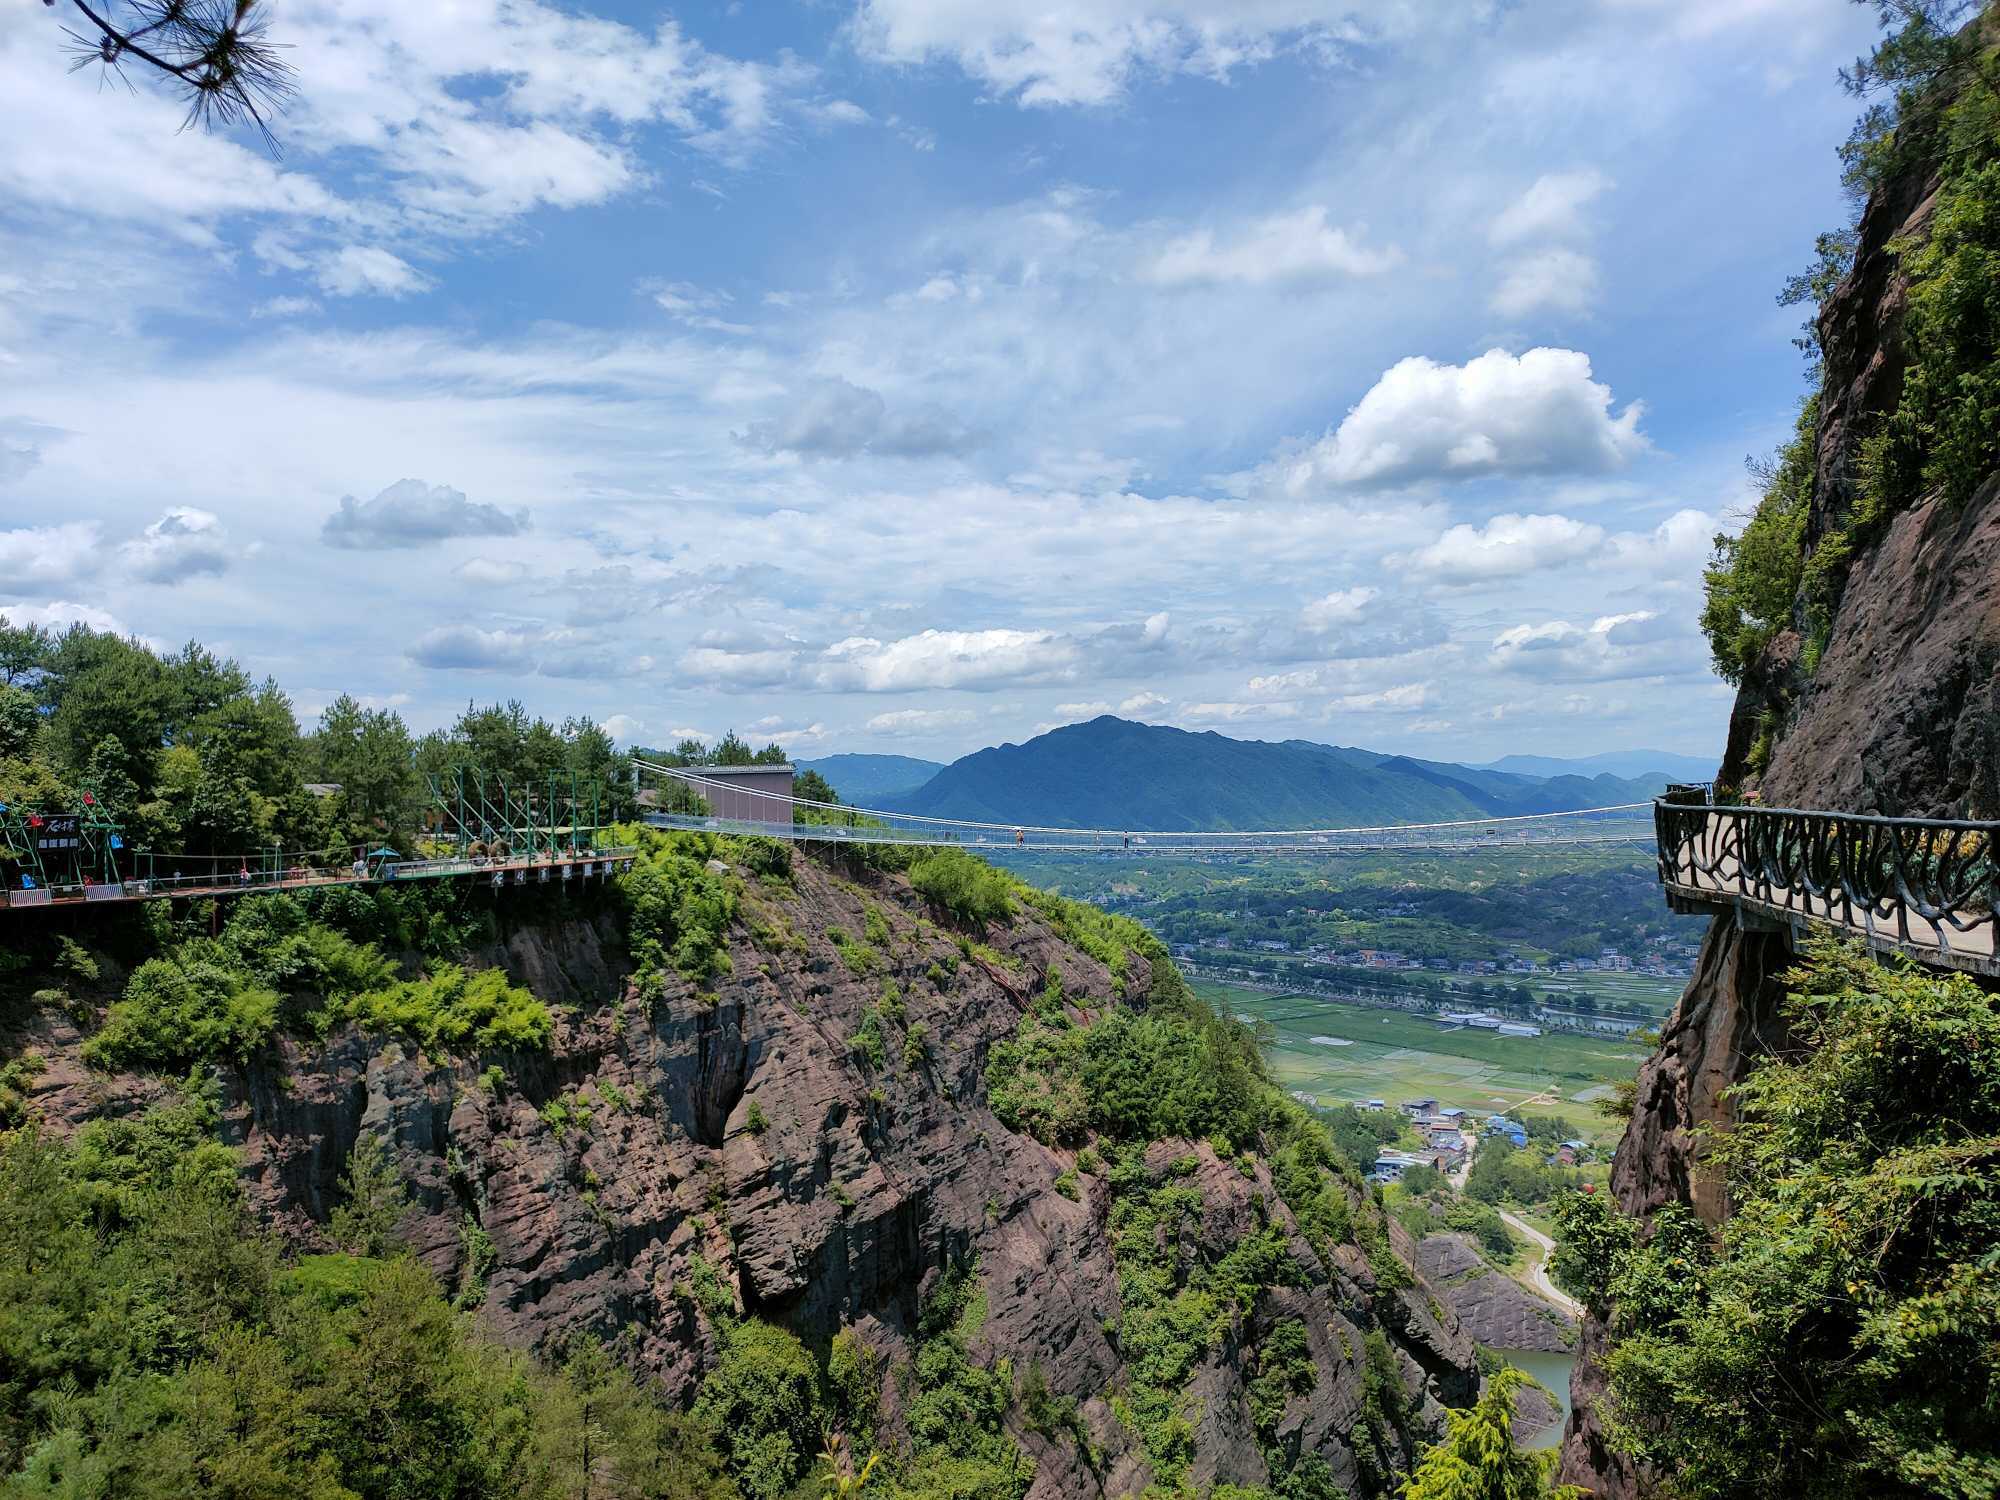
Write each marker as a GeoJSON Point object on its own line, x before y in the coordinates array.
{"type": "Point", "coordinates": [1552, 1370]}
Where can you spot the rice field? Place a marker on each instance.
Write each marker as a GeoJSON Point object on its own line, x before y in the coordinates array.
{"type": "Point", "coordinates": [1348, 1054]}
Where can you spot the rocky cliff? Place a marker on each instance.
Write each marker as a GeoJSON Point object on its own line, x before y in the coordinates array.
{"type": "Point", "coordinates": [740, 1124]}
{"type": "Point", "coordinates": [1898, 712]}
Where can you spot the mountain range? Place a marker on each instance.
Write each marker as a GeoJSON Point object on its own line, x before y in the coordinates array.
{"type": "Point", "coordinates": [1114, 773]}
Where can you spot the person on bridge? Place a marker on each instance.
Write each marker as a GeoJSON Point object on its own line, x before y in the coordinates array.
{"type": "Point", "coordinates": [1020, 836]}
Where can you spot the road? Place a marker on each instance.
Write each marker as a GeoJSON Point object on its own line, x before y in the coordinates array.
{"type": "Point", "coordinates": [1540, 1269]}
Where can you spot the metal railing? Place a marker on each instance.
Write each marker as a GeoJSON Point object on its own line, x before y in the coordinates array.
{"type": "Point", "coordinates": [542, 869]}
{"type": "Point", "coordinates": [1615, 826]}
{"type": "Point", "coordinates": [1923, 886]}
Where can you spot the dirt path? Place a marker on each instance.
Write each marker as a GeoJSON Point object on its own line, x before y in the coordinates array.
{"type": "Point", "coordinates": [1539, 1270]}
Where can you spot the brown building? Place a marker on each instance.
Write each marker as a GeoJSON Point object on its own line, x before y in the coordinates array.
{"type": "Point", "coordinates": [751, 792]}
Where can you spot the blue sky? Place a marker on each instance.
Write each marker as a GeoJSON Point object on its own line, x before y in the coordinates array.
{"type": "Point", "coordinates": [911, 375]}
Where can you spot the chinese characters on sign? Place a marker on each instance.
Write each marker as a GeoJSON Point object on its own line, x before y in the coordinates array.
{"type": "Point", "coordinates": [59, 834]}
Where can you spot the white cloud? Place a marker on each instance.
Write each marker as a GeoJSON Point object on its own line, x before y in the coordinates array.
{"type": "Point", "coordinates": [285, 307]}
{"type": "Point", "coordinates": [37, 557]}
{"type": "Point", "coordinates": [490, 570]}
{"type": "Point", "coordinates": [725, 667]}
{"type": "Point", "coordinates": [1341, 607]}
{"type": "Point", "coordinates": [355, 270]}
{"type": "Point", "coordinates": [837, 419]}
{"type": "Point", "coordinates": [113, 154]}
{"type": "Point", "coordinates": [1086, 51]}
{"type": "Point", "coordinates": [948, 659]}
{"type": "Point", "coordinates": [1639, 643]}
{"type": "Point", "coordinates": [184, 543]}
{"type": "Point", "coordinates": [1142, 703]}
{"type": "Point", "coordinates": [468, 648]}
{"type": "Point", "coordinates": [411, 513]}
{"type": "Point", "coordinates": [838, 112]}
{"type": "Point", "coordinates": [776, 729]}
{"type": "Point", "coordinates": [916, 721]}
{"type": "Point", "coordinates": [697, 307]}
{"type": "Point", "coordinates": [1533, 413]}
{"type": "Point", "coordinates": [1405, 698]}
{"type": "Point", "coordinates": [1681, 541]}
{"type": "Point", "coordinates": [1552, 208]}
{"type": "Point", "coordinates": [60, 614]}
{"type": "Point", "coordinates": [1554, 280]}
{"type": "Point", "coordinates": [1283, 248]}
{"type": "Point", "coordinates": [1236, 713]}
{"type": "Point", "coordinates": [1508, 546]}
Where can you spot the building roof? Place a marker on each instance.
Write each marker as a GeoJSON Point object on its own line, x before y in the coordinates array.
{"type": "Point", "coordinates": [720, 773]}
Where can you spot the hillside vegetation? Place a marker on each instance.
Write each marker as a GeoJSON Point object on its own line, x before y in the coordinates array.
{"type": "Point", "coordinates": [377, 1191]}
{"type": "Point", "coordinates": [1840, 1337]}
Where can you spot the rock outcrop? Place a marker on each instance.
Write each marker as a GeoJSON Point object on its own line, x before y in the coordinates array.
{"type": "Point", "coordinates": [738, 1125]}
{"type": "Point", "coordinates": [1493, 1309]}
{"type": "Point", "coordinates": [1900, 715]}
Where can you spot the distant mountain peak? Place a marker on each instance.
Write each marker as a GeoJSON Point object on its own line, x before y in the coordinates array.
{"type": "Point", "coordinates": [1110, 772]}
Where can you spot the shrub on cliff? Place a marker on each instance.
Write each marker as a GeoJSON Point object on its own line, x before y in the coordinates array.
{"type": "Point", "coordinates": [1840, 1339]}
{"type": "Point", "coordinates": [453, 1007]}
{"type": "Point", "coordinates": [763, 1398]}
{"type": "Point", "coordinates": [174, 1014]}
{"type": "Point", "coordinates": [678, 910]}
{"type": "Point", "coordinates": [968, 888]}
{"type": "Point", "coordinates": [1942, 438]}
{"type": "Point", "coordinates": [153, 1346]}
{"type": "Point", "coordinates": [1478, 1460]}
{"type": "Point", "coordinates": [1130, 1076]}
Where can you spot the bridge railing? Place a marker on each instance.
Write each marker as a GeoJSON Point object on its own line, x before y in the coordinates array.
{"type": "Point", "coordinates": [1624, 827]}
{"type": "Point", "coordinates": [540, 869]}
{"type": "Point", "coordinates": [1923, 886]}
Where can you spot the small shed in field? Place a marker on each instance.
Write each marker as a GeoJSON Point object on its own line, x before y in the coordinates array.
{"type": "Point", "coordinates": [752, 792]}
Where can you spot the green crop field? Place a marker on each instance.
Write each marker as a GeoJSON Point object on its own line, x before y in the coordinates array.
{"type": "Point", "coordinates": [1362, 1054]}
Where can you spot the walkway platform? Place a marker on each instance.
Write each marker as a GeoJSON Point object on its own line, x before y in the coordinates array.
{"type": "Point", "coordinates": [1928, 889]}
{"type": "Point", "coordinates": [543, 871]}
{"type": "Point", "coordinates": [1621, 827]}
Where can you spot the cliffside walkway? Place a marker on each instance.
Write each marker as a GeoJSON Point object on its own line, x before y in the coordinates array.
{"type": "Point", "coordinates": [543, 870]}
{"type": "Point", "coordinates": [1926, 888]}
{"type": "Point", "coordinates": [801, 820]}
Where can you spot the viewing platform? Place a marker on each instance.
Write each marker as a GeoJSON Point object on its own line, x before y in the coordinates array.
{"type": "Point", "coordinates": [543, 870]}
{"type": "Point", "coordinates": [1925, 888]}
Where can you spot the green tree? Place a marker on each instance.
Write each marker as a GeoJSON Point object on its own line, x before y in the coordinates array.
{"type": "Point", "coordinates": [599, 1436]}
{"type": "Point", "coordinates": [101, 686]}
{"type": "Point", "coordinates": [19, 719]}
{"type": "Point", "coordinates": [23, 650]}
{"type": "Point", "coordinates": [1839, 1338]}
{"type": "Point", "coordinates": [367, 752]}
{"type": "Point", "coordinates": [763, 1398]}
{"type": "Point", "coordinates": [1477, 1460]}
{"type": "Point", "coordinates": [374, 1201]}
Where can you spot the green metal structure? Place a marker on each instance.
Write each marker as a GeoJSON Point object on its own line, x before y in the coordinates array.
{"type": "Point", "coordinates": [70, 847]}
{"type": "Point", "coordinates": [558, 816]}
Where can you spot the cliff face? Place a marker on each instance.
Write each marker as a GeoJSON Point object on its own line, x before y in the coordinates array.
{"type": "Point", "coordinates": [1900, 715]}
{"type": "Point", "coordinates": [740, 1126]}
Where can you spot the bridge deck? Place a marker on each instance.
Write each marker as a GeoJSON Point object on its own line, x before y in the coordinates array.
{"type": "Point", "coordinates": [509, 873]}
{"type": "Point", "coordinates": [991, 842]}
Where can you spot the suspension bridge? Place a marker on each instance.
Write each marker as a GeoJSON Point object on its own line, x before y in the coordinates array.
{"type": "Point", "coordinates": [1928, 889]}
{"type": "Point", "coordinates": [551, 832]}
{"type": "Point", "coordinates": [758, 812]}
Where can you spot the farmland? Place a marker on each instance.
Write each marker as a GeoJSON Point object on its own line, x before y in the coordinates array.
{"type": "Point", "coordinates": [1346, 1054]}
